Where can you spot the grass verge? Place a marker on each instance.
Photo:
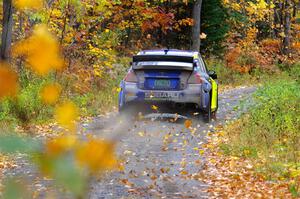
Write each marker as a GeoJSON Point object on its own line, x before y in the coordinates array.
{"type": "Point", "coordinates": [269, 133]}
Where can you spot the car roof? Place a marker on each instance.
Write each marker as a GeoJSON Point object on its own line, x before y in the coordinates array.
{"type": "Point", "coordinates": [170, 52]}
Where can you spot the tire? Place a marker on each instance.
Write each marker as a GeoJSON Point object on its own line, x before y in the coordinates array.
{"type": "Point", "coordinates": [214, 115]}
{"type": "Point", "coordinates": [208, 114]}
{"type": "Point", "coordinates": [127, 111]}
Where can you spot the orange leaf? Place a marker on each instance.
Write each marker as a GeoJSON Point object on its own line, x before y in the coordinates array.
{"type": "Point", "coordinates": [188, 124]}
{"type": "Point", "coordinates": [50, 93]}
{"type": "Point", "coordinates": [8, 81]}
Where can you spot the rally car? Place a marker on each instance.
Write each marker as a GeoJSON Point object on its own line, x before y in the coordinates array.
{"type": "Point", "coordinates": [170, 76]}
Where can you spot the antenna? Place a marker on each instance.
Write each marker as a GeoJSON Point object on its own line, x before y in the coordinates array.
{"type": "Point", "coordinates": [166, 51]}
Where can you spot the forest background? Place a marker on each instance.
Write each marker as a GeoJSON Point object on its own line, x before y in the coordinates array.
{"type": "Point", "coordinates": [79, 50]}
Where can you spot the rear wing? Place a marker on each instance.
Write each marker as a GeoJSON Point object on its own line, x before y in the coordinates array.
{"type": "Point", "coordinates": [162, 62]}
{"type": "Point", "coordinates": [142, 58]}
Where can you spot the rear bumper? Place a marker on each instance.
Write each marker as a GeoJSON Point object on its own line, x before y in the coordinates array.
{"type": "Point", "coordinates": [131, 93]}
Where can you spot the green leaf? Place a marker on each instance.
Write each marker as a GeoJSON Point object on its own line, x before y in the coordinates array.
{"type": "Point", "coordinates": [14, 143]}
{"type": "Point", "coordinates": [15, 189]}
{"type": "Point", "coordinates": [294, 190]}
{"type": "Point", "coordinates": [70, 176]}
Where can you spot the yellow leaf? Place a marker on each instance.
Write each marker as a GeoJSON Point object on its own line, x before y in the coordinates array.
{"type": "Point", "coordinates": [246, 152]}
{"type": "Point", "coordinates": [97, 155]}
{"type": "Point", "coordinates": [41, 51]}
{"type": "Point", "coordinates": [121, 167]}
{"type": "Point", "coordinates": [28, 4]}
{"type": "Point", "coordinates": [142, 134]}
{"type": "Point", "coordinates": [185, 143]}
{"type": "Point", "coordinates": [59, 145]}
{"type": "Point", "coordinates": [203, 36]}
{"type": "Point", "coordinates": [188, 124]}
{"type": "Point", "coordinates": [154, 107]}
{"type": "Point", "coordinates": [66, 114]}
{"type": "Point", "coordinates": [201, 152]}
{"type": "Point", "coordinates": [282, 34]}
{"type": "Point", "coordinates": [118, 90]}
{"type": "Point", "coordinates": [295, 173]}
{"type": "Point", "coordinates": [262, 4]}
{"type": "Point", "coordinates": [8, 81]}
{"type": "Point", "coordinates": [183, 172]}
{"type": "Point", "coordinates": [50, 93]}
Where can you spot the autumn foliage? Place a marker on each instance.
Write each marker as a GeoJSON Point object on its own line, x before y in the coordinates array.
{"type": "Point", "coordinates": [69, 55]}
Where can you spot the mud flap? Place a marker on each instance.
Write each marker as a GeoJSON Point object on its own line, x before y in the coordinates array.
{"type": "Point", "coordinates": [214, 95]}
{"type": "Point", "coordinates": [121, 96]}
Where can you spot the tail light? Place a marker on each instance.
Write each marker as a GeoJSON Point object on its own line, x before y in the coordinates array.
{"type": "Point", "coordinates": [131, 76]}
{"type": "Point", "coordinates": [195, 78]}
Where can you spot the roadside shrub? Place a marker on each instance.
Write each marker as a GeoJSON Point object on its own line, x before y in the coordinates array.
{"type": "Point", "coordinates": [230, 76]}
{"type": "Point", "coordinates": [245, 60]}
{"type": "Point", "coordinates": [27, 106]}
{"type": "Point", "coordinates": [272, 129]}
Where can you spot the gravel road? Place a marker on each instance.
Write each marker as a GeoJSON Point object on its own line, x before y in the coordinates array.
{"type": "Point", "coordinates": [162, 159]}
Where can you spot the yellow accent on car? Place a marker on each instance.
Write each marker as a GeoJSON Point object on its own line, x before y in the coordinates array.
{"type": "Point", "coordinates": [214, 97]}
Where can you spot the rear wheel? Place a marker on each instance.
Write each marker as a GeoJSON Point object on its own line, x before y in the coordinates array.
{"type": "Point", "coordinates": [214, 115]}
{"type": "Point", "coordinates": [208, 114]}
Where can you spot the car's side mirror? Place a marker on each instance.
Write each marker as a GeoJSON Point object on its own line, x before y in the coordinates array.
{"type": "Point", "coordinates": [131, 63]}
{"type": "Point", "coordinates": [213, 74]}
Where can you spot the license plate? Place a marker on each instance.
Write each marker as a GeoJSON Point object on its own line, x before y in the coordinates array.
{"type": "Point", "coordinates": [161, 95]}
{"type": "Point", "coordinates": [162, 83]}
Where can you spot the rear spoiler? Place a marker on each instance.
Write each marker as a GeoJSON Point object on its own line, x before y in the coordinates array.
{"type": "Point", "coordinates": [143, 58]}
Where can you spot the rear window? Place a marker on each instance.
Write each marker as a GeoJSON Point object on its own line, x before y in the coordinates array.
{"type": "Point", "coordinates": [162, 65]}
{"type": "Point", "coordinates": [162, 62]}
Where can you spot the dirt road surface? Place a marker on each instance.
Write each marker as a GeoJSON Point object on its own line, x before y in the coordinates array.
{"type": "Point", "coordinates": [162, 159]}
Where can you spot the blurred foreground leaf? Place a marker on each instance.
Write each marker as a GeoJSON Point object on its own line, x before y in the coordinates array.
{"type": "Point", "coordinates": [28, 4]}
{"type": "Point", "coordinates": [50, 93]}
{"type": "Point", "coordinates": [66, 114]}
{"type": "Point", "coordinates": [8, 81]}
{"type": "Point", "coordinates": [69, 175]}
{"type": "Point", "coordinates": [97, 155]}
{"type": "Point", "coordinates": [14, 143]}
{"type": "Point", "coordinates": [41, 51]}
{"type": "Point", "coordinates": [15, 189]}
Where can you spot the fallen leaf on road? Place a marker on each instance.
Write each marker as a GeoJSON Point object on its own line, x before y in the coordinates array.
{"type": "Point", "coordinates": [183, 172]}
{"type": "Point", "coordinates": [153, 107]}
{"type": "Point", "coordinates": [127, 183]}
{"type": "Point", "coordinates": [188, 123]}
{"type": "Point", "coordinates": [142, 134]}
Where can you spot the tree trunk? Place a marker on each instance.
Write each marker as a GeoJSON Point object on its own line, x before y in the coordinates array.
{"type": "Point", "coordinates": [287, 27]}
{"type": "Point", "coordinates": [277, 19]}
{"type": "Point", "coordinates": [7, 29]}
{"type": "Point", "coordinates": [196, 27]}
{"type": "Point", "coordinates": [294, 8]}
